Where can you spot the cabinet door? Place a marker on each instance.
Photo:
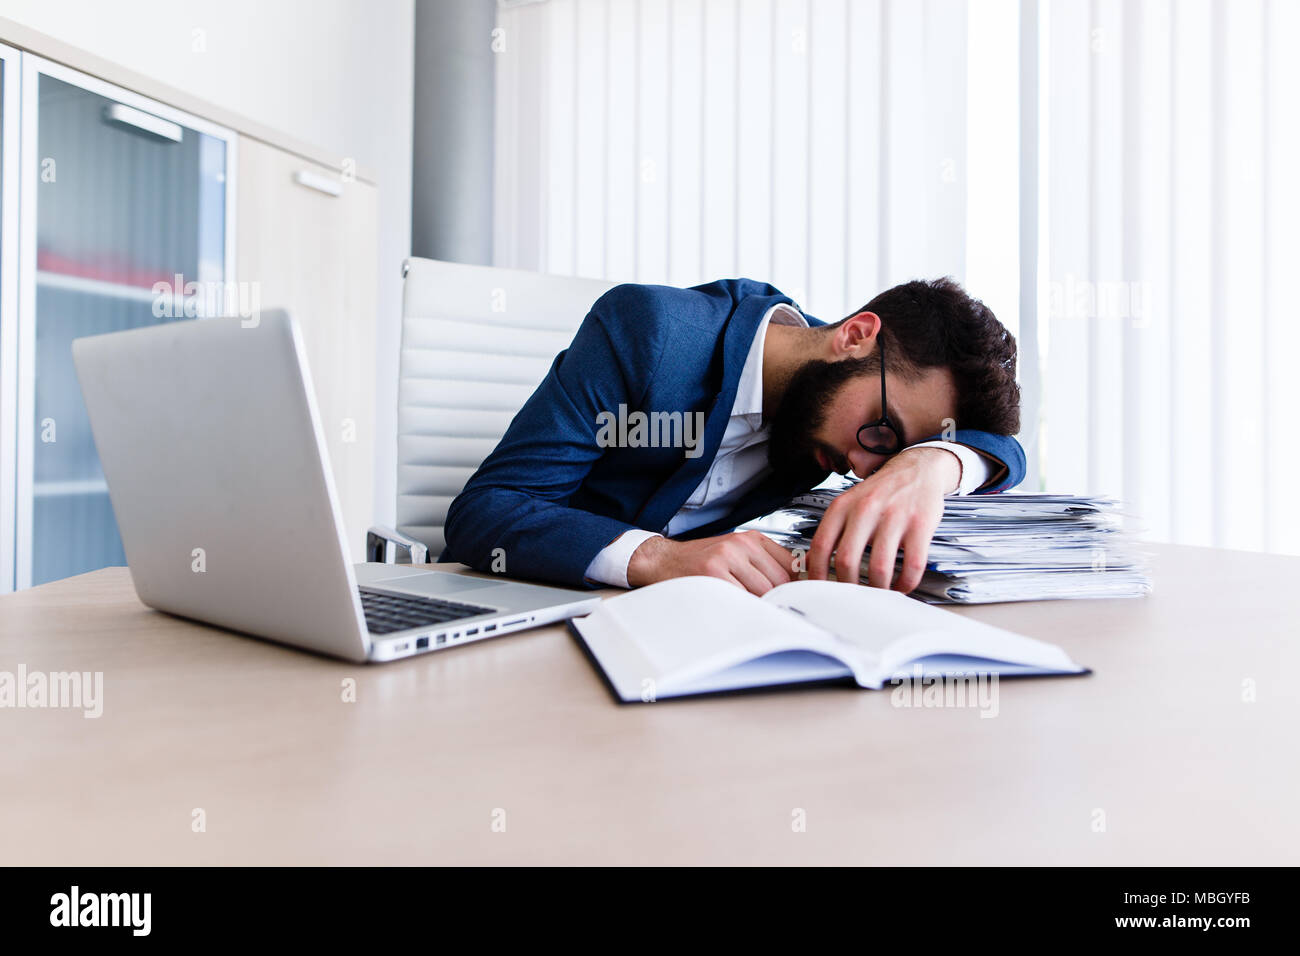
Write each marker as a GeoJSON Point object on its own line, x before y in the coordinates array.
{"type": "Point", "coordinates": [124, 210]}
{"type": "Point", "coordinates": [308, 241]}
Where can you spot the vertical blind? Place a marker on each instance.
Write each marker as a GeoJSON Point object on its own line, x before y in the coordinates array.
{"type": "Point", "coordinates": [815, 144]}
{"type": "Point", "coordinates": [837, 147]}
{"type": "Point", "coordinates": [1171, 227]}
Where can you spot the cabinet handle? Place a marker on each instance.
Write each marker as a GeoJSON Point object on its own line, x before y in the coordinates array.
{"type": "Point", "coordinates": [130, 116]}
{"type": "Point", "coordinates": [322, 184]}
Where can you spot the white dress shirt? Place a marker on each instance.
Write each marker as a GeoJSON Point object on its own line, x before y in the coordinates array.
{"type": "Point", "coordinates": [741, 462]}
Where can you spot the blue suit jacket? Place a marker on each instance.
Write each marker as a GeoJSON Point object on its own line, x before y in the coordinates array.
{"type": "Point", "coordinates": [552, 497]}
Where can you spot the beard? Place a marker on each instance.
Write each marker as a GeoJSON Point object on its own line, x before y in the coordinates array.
{"type": "Point", "coordinates": [791, 446]}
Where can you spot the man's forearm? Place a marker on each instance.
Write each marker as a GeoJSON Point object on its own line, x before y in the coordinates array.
{"type": "Point", "coordinates": [976, 468]}
{"type": "Point", "coordinates": [515, 533]}
{"type": "Point", "coordinates": [613, 565]}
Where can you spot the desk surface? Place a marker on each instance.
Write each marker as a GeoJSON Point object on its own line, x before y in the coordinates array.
{"type": "Point", "coordinates": [1155, 758]}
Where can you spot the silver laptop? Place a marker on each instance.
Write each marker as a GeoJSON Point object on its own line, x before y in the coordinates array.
{"type": "Point", "coordinates": [212, 447]}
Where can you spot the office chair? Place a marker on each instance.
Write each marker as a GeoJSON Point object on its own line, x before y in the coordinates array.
{"type": "Point", "coordinates": [476, 342]}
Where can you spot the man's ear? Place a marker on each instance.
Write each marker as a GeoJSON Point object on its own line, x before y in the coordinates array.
{"type": "Point", "coordinates": [855, 337]}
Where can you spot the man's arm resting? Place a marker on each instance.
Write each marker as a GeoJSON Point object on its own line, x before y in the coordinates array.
{"type": "Point", "coordinates": [975, 467]}
{"type": "Point", "coordinates": [610, 566]}
{"type": "Point", "coordinates": [998, 450]}
{"type": "Point", "coordinates": [748, 559]}
{"type": "Point", "coordinates": [515, 533]}
{"type": "Point", "coordinates": [613, 565]}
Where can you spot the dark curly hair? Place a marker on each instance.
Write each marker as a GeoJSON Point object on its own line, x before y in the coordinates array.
{"type": "Point", "coordinates": [936, 324]}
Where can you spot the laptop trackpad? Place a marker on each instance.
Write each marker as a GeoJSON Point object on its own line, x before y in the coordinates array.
{"type": "Point", "coordinates": [435, 584]}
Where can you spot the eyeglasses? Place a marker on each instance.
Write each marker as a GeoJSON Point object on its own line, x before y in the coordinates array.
{"type": "Point", "coordinates": [880, 437]}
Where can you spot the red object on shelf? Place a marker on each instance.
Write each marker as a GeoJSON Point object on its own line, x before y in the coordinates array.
{"type": "Point", "coordinates": [105, 268]}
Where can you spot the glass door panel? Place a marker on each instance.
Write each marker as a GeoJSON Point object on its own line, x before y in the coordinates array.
{"type": "Point", "coordinates": [131, 212]}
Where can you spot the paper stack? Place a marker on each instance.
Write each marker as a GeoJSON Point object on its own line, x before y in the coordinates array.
{"type": "Point", "coordinates": [1012, 546]}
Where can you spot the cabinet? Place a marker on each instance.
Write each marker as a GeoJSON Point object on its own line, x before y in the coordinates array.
{"type": "Point", "coordinates": [125, 207]}
{"type": "Point", "coordinates": [120, 210]}
{"type": "Point", "coordinates": [307, 243]}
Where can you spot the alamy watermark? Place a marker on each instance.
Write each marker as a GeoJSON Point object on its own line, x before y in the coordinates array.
{"type": "Point", "coordinates": [1075, 298]}
{"type": "Point", "coordinates": [179, 299]}
{"type": "Point", "coordinates": [75, 908]}
{"type": "Point", "coordinates": [946, 690]}
{"type": "Point", "coordinates": [83, 690]}
{"type": "Point", "coordinates": [638, 429]}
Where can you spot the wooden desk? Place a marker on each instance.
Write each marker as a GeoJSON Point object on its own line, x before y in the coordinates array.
{"type": "Point", "coordinates": [1159, 739]}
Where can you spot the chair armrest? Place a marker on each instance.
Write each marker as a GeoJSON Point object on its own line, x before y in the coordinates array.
{"type": "Point", "coordinates": [388, 546]}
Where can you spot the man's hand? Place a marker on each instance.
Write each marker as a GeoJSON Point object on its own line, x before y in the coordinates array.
{"type": "Point", "coordinates": [747, 558]}
{"type": "Point", "coordinates": [901, 503]}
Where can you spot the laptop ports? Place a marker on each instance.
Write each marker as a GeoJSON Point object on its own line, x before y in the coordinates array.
{"type": "Point", "coordinates": [421, 643]}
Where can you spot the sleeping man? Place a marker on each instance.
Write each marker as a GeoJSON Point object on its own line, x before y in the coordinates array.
{"type": "Point", "coordinates": [676, 415]}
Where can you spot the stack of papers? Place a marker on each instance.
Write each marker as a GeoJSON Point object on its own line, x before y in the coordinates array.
{"type": "Point", "coordinates": [1012, 546]}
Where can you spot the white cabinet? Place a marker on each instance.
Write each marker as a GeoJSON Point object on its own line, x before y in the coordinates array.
{"type": "Point", "coordinates": [307, 241]}
{"type": "Point", "coordinates": [120, 211]}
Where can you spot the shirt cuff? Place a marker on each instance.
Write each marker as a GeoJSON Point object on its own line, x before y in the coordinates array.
{"type": "Point", "coordinates": [974, 466]}
{"type": "Point", "coordinates": [610, 565]}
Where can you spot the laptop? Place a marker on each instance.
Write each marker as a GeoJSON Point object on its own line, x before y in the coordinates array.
{"type": "Point", "coordinates": [215, 459]}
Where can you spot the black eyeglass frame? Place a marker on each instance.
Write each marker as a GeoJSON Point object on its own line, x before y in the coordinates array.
{"type": "Point", "coordinates": [883, 421]}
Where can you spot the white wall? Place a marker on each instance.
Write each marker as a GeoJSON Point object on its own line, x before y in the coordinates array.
{"type": "Point", "coordinates": [336, 74]}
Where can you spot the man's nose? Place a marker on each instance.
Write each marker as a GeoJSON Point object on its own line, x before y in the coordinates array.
{"type": "Point", "coordinates": [864, 462]}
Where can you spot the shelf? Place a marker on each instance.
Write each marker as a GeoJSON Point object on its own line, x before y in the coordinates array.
{"type": "Point", "coordinates": [63, 489]}
{"type": "Point", "coordinates": [99, 287]}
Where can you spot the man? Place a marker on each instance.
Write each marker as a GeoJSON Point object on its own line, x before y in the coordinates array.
{"type": "Point", "coordinates": [758, 402]}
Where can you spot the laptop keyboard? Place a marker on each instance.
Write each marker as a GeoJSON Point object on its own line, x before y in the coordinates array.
{"type": "Point", "coordinates": [386, 613]}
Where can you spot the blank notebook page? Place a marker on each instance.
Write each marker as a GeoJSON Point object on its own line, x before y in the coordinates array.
{"type": "Point", "coordinates": [693, 621]}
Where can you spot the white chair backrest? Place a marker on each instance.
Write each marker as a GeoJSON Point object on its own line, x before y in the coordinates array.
{"type": "Point", "coordinates": [476, 342]}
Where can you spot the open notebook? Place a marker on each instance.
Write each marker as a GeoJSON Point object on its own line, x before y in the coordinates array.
{"type": "Point", "coordinates": [698, 635]}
